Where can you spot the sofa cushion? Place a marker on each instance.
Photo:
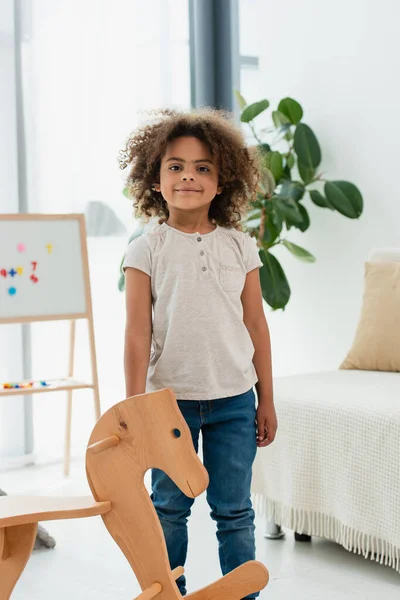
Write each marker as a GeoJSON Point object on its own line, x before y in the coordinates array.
{"type": "Point", "coordinates": [376, 346]}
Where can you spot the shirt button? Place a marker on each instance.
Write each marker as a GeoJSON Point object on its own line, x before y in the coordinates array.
{"type": "Point", "coordinates": [202, 253]}
{"type": "Point", "coordinates": [199, 239]}
{"type": "Point", "coordinates": [204, 268]}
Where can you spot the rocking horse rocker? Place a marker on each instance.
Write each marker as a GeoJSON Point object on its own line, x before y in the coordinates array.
{"type": "Point", "coordinates": [142, 432]}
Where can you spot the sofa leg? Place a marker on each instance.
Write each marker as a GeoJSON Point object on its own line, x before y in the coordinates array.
{"type": "Point", "coordinates": [273, 531]}
{"type": "Point", "coordinates": [302, 537]}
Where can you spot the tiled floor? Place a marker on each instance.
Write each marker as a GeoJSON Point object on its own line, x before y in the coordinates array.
{"type": "Point", "coordinates": [87, 564]}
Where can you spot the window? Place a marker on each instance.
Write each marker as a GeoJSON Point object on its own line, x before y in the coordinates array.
{"type": "Point", "coordinates": [90, 69]}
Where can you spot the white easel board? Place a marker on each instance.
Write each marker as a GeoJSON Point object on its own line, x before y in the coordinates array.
{"type": "Point", "coordinates": [44, 276]}
{"type": "Point", "coordinates": [42, 268]}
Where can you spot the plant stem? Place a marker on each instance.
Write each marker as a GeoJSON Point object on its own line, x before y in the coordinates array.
{"type": "Point", "coordinates": [318, 178]}
{"type": "Point", "coordinates": [279, 241]}
{"type": "Point", "coordinates": [254, 132]}
{"type": "Point", "coordinates": [262, 226]}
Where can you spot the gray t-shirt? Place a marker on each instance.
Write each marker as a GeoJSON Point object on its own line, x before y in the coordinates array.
{"type": "Point", "coordinates": [200, 345]}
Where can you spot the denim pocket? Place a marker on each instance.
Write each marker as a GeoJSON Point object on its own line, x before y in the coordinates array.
{"type": "Point", "coordinates": [231, 278]}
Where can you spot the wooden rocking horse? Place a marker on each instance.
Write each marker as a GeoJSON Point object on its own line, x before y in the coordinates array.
{"type": "Point", "coordinates": [142, 432]}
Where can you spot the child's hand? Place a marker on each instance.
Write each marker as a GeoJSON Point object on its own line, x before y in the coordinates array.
{"type": "Point", "coordinates": [267, 424]}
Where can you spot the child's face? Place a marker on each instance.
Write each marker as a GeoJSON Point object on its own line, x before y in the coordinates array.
{"type": "Point", "coordinates": [188, 175]}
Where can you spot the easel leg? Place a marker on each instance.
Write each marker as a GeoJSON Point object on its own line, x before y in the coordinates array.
{"type": "Point", "coordinates": [95, 378]}
{"type": "Point", "coordinates": [16, 545]}
{"type": "Point", "coordinates": [67, 450]}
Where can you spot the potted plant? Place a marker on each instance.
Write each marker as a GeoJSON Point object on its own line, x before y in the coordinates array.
{"type": "Point", "coordinates": [287, 175]}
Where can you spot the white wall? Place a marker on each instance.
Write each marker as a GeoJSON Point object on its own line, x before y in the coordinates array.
{"type": "Point", "coordinates": [341, 61]}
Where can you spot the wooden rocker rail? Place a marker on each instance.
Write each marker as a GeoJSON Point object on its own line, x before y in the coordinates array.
{"type": "Point", "coordinates": [240, 582]}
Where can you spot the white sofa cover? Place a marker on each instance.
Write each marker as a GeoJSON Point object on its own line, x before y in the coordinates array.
{"type": "Point", "coordinates": [334, 468]}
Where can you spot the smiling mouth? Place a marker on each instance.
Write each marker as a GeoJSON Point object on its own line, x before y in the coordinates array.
{"type": "Point", "coordinates": [186, 190]}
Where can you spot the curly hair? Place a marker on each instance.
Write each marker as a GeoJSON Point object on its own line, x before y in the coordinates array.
{"type": "Point", "coordinates": [237, 167]}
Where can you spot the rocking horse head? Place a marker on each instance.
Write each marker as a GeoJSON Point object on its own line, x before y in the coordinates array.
{"type": "Point", "coordinates": [142, 432]}
{"type": "Point", "coordinates": [154, 434]}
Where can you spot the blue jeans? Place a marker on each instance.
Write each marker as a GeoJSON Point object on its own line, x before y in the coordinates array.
{"type": "Point", "coordinates": [229, 448]}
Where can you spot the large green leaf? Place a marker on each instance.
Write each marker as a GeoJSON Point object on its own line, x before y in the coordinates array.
{"type": "Point", "coordinates": [282, 124]}
{"type": "Point", "coordinates": [279, 119]}
{"type": "Point", "coordinates": [306, 174]}
{"type": "Point", "coordinates": [305, 224]}
{"type": "Point", "coordinates": [288, 210]}
{"type": "Point", "coordinates": [275, 217]}
{"type": "Point", "coordinates": [290, 161]}
{"type": "Point", "coordinates": [307, 147]}
{"type": "Point", "coordinates": [241, 101]}
{"type": "Point", "coordinates": [276, 165]}
{"type": "Point", "coordinates": [319, 199]}
{"type": "Point", "coordinates": [291, 109]}
{"type": "Point", "coordinates": [345, 197]}
{"type": "Point", "coordinates": [253, 110]}
{"type": "Point", "coordinates": [270, 234]}
{"type": "Point", "coordinates": [298, 251]}
{"type": "Point", "coordinates": [292, 190]}
{"type": "Point", "coordinates": [274, 285]}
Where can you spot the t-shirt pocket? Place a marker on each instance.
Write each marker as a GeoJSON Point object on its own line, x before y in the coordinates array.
{"type": "Point", "coordinates": [231, 278]}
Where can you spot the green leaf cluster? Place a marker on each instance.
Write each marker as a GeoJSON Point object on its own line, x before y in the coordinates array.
{"type": "Point", "coordinates": [288, 179]}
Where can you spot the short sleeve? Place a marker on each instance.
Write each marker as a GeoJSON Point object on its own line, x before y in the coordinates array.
{"type": "Point", "coordinates": [251, 257]}
{"type": "Point", "coordinates": [138, 255]}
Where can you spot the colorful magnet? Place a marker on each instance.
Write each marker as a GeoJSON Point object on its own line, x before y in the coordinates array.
{"type": "Point", "coordinates": [21, 247]}
{"type": "Point", "coordinates": [3, 273]}
{"type": "Point", "coordinates": [17, 386]}
{"type": "Point", "coordinates": [12, 272]}
{"type": "Point", "coordinates": [20, 270]}
{"type": "Point", "coordinates": [34, 265]}
{"type": "Point", "coordinates": [12, 291]}
{"type": "Point", "coordinates": [34, 278]}
{"type": "Point", "coordinates": [49, 248]}
{"type": "Point", "coordinates": [44, 384]}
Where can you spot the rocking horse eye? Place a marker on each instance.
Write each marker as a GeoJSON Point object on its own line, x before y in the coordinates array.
{"type": "Point", "coordinates": [176, 433]}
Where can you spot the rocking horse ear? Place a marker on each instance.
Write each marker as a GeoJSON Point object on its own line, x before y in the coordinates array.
{"type": "Point", "coordinates": [102, 445]}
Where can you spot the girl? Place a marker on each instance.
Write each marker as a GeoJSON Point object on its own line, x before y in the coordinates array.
{"type": "Point", "coordinates": [194, 315]}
